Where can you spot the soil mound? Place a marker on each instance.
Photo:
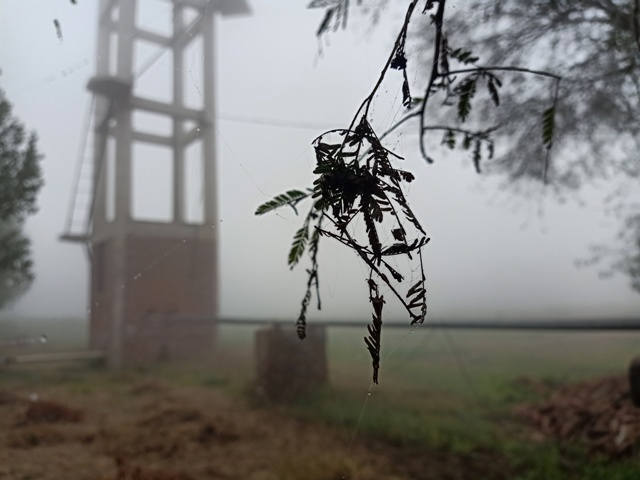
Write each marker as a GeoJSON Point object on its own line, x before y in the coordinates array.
{"type": "Point", "coordinates": [597, 412]}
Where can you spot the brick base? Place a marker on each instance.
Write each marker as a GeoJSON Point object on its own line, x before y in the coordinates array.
{"type": "Point", "coordinates": [163, 276]}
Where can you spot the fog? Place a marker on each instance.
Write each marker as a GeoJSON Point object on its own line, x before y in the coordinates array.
{"type": "Point", "coordinates": [491, 255]}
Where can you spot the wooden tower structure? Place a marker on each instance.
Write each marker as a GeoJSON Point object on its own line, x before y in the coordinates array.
{"type": "Point", "coordinates": [147, 269]}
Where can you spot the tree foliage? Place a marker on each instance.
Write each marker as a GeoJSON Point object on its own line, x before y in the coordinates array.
{"type": "Point", "coordinates": [592, 125]}
{"type": "Point", "coordinates": [20, 181]}
{"type": "Point", "coordinates": [16, 266]}
{"type": "Point", "coordinates": [596, 46]}
{"type": "Point", "coordinates": [357, 180]}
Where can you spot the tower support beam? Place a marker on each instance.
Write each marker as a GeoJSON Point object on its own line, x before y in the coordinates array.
{"type": "Point", "coordinates": [141, 268]}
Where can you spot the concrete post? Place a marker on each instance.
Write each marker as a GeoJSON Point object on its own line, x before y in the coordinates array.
{"type": "Point", "coordinates": [287, 367]}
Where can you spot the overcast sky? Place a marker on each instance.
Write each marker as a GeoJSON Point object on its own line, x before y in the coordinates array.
{"type": "Point", "coordinates": [490, 256]}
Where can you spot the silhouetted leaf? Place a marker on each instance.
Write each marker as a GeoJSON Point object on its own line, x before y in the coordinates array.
{"type": "Point", "coordinates": [493, 91]}
{"type": "Point", "coordinates": [291, 198]}
{"type": "Point", "coordinates": [372, 234]}
{"type": "Point", "coordinates": [406, 94]}
{"type": "Point", "coordinates": [416, 303]}
{"type": "Point", "coordinates": [375, 328]}
{"type": "Point", "coordinates": [414, 288]}
{"type": "Point", "coordinates": [324, 25]}
{"type": "Point", "coordinates": [466, 143]}
{"type": "Point", "coordinates": [463, 56]}
{"type": "Point", "coordinates": [449, 139]}
{"type": "Point", "coordinates": [301, 322]}
{"type": "Point", "coordinates": [444, 56]}
{"type": "Point", "coordinates": [394, 273]}
{"type": "Point", "coordinates": [477, 155]}
{"type": "Point", "coordinates": [58, 28]}
{"type": "Point", "coordinates": [299, 244]}
{"type": "Point", "coordinates": [467, 91]}
{"type": "Point", "coordinates": [406, 176]}
{"type": "Point", "coordinates": [548, 126]}
{"type": "Point", "coordinates": [396, 249]}
{"type": "Point", "coordinates": [399, 62]}
{"type": "Point", "coordinates": [398, 234]}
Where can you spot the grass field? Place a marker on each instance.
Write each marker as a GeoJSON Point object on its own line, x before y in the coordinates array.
{"type": "Point", "coordinates": [451, 392]}
{"type": "Point", "coordinates": [62, 334]}
{"type": "Point", "coordinates": [456, 390]}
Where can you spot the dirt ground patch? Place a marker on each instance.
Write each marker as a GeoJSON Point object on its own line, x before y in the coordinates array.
{"type": "Point", "coordinates": [597, 412]}
{"type": "Point", "coordinates": [150, 430]}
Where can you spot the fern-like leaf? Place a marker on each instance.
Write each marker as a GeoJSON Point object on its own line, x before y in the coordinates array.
{"type": "Point", "coordinates": [463, 56]}
{"type": "Point", "coordinates": [490, 149]}
{"type": "Point", "coordinates": [291, 198]}
{"type": "Point", "coordinates": [467, 92]}
{"type": "Point", "coordinates": [477, 156]}
{"type": "Point", "coordinates": [375, 329]}
{"type": "Point", "coordinates": [449, 139]}
{"type": "Point", "coordinates": [493, 91]}
{"type": "Point", "coordinates": [301, 322]}
{"type": "Point", "coordinates": [299, 244]}
{"type": "Point", "coordinates": [412, 291]}
{"type": "Point", "coordinates": [326, 21]}
{"type": "Point", "coordinates": [548, 126]}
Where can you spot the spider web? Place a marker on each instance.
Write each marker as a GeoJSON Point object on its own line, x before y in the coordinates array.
{"type": "Point", "coordinates": [389, 109]}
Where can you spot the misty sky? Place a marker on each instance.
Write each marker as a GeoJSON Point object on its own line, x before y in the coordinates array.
{"type": "Point", "coordinates": [491, 255]}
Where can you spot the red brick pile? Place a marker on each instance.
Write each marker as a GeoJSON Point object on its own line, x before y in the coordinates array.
{"type": "Point", "coordinates": [598, 412]}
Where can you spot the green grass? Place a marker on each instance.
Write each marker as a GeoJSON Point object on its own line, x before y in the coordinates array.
{"type": "Point", "coordinates": [459, 428]}
{"type": "Point", "coordinates": [63, 334]}
{"type": "Point", "coordinates": [553, 462]}
{"type": "Point", "coordinates": [434, 424]}
{"type": "Point", "coordinates": [452, 391]}
{"type": "Point", "coordinates": [442, 360]}
{"type": "Point", "coordinates": [457, 391]}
